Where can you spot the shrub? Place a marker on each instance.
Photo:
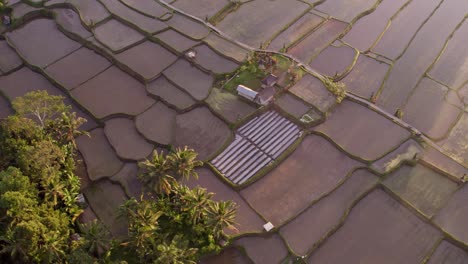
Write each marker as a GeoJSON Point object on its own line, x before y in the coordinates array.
{"type": "Point", "coordinates": [336, 88]}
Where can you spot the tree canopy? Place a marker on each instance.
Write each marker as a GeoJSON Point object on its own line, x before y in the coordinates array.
{"type": "Point", "coordinates": [172, 223]}
{"type": "Point", "coordinates": [178, 224]}
{"type": "Point", "coordinates": [38, 187]}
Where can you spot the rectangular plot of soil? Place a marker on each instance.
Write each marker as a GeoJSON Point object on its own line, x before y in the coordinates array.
{"type": "Point", "coordinates": [311, 45]}
{"type": "Point", "coordinates": [421, 187]}
{"type": "Point", "coordinates": [255, 22]}
{"type": "Point", "coordinates": [347, 10]}
{"type": "Point", "coordinates": [313, 169]}
{"type": "Point", "coordinates": [313, 224]}
{"type": "Point", "coordinates": [420, 54]}
{"type": "Point", "coordinates": [448, 253]}
{"type": "Point", "coordinates": [301, 27]}
{"type": "Point", "coordinates": [360, 131]}
{"type": "Point", "coordinates": [334, 60]}
{"type": "Point", "coordinates": [452, 218]}
{"type": "Point", "coordinates": [452, 67]}
{"type": "Point", "coordinates": [366, 77]}
{"type": "Point", "coordinates": [367, 29]}
{"type": "Point", "coordinates": [378, 230]}
{"type": "Point", "coordinates": [404, 26]}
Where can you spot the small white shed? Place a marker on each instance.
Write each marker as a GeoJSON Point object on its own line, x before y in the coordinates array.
{"type": "Point", "coordinates": [247, 93]}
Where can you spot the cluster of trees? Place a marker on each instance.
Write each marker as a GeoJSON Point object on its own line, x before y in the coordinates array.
{"type": "Point", "coordinates": [178, 224]}
{"type": "Point", "coordinates": [38, 187]}
{"type": "Point", "coordinates": [172, 223]}
{"type": "Point", "coordinates": [3, 4]}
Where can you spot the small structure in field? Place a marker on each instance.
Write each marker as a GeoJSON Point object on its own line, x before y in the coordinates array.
{"type": "Point", "coordinates": [191, 54]}
{"type": "Point", "coordinates": [266, 95]}
{"type": "Point", "coordinates": [269, 81]}
{"type": "Point", "coordinates": [247, 93]}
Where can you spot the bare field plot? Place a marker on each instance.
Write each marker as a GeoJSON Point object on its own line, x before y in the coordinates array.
{"type": "Point", "coordinates": [201, 8]}
{"type": "Point", "coordinates": [255, 28]}
{"type": "Point", "coordinates": [229, 106]}
{"type": "Point", "coordinates": [292, 105]}
{"type": "Point", "coordinates": [188, 27]}
{"type": "Point", "coordinates": [190, 78]}
{"type": "Point", "coordinates": [428, 110]}
{"type": "Point", "coordinates": [126, 140]}
{"type": "Point", "coordinates": [368, 29]}
{"type": "Point", "coordinates": [77, 68]}
{"type": "Point", "coordinates": [53, 47]}
{"type": "Point", "coordinates": [456, 142]}
{"type": "Point", "coordinates": [313, 169]}
{"type": "Point", "coordinates": [321, 218]}
{"type": "Point", "coordinates": [9, 60]}
{"type": "Point", "coordinates": [169, 93]}
{"type": "Point", "coordinates": [448, 253]}
{"type": "Point", "coordinates": [202, 131]}
{"type": "Point", "coordinates": [334, 61]}
{"type": "Point", "coordinates": [452, 68]}
{"type": "Point", "coordinates": [453, 216]}
{"type": "Point", "coordinates": [346, 12]}
{"type": "Point", "coordinates": [99, 157]}
{"type": "Point", "coordinates": [147, 7]}
{"type": "Point", "coordinates": [359, 240]}
{"type": "Point", "coordinates": [91, 11]}
{"type": "Point", "coordinates": [71, 22]}
{"type": "Point", "coordinates": [105, 199]}
{"type": "Point", "coordinates": [147, 59]}
{"type": "Point", "coordinates": [230, 255]}
{"type": "Point", "coordinates": [157, 123]}
{"type": "Point", "coordinates": [112, 92]}
{"type": "Point", "coordinates": [264, 250]}
{"type": "Point", "coordinates": [144, 23]}
{"type": "Point", "coordinates": [294, 32]}
{"type": "Point", "coordinates": [312, 90]}
{"type": "Point", "coordinates": [127, 177]}
{"type": "Point", "coordinates": [423, 188]}
{"type": "Point", "coordinates": [212, 61]}
{"type": "Point", "coordinates": [309, 47]}
{"type": "Point", "coordinates": [407, 71]}
{"type": "Point", "coordinates": [117, 36]}
{"type": "Point", "coordinates": [361, 132]}
{"type": "Point", "coordinates": [175, 40]}
{"type": "Point", "coordinates": [366, 77]}
{"type": "Point", "coordinates": [404, 26]}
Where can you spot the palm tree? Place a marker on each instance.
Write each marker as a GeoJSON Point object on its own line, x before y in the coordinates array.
{"type": "Point", "coordinates": [221, 215]}
{"type": "Point", "coordinates": [53, 249]}
{"type": "Point", "coordinates": [195, 202]}
{"type": "Point", "coordinates": [143, 224]}
{"type": "Point", "coordinates": [154, 173]}
{"type": "Point", "coordinates": [183, 163]}
{"type": "Point", "coordinates": [176, 251]}
{"type": "Point", "coordinates": [13, 246]}
{"type": "Point", "coordinates": [96, 238]}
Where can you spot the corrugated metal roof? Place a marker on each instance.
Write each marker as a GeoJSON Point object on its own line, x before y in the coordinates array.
{"type": "Point", "coordinates": [246, 92]}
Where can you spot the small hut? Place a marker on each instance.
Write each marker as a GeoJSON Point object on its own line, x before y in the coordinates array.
{"type": "Point", "coordinates": [247, 93]}
{"type": "Point", "coordinates": [269, 81]}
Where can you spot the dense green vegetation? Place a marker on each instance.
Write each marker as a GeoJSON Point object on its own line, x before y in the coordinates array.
{"type": "Point", "coordinates": [38, 187]}
{"type": "Point", "coordinates": [336, 88]}
{"type": "Point", "coordinates": [38, 198]}
{"type": "Point", "coordinates": [254, 69]}
{"type": "Point", "coordinates": [178, 224]}
{"type": "Point", "coordinates": [2, 5]}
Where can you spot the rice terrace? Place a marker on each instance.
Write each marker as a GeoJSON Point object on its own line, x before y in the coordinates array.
{"type": "Point", "coordinates": [234, 131]}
